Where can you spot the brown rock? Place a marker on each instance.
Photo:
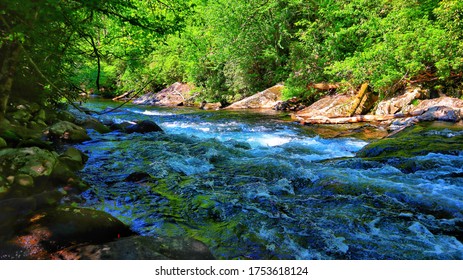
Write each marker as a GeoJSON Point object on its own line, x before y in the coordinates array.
{"type": "Point", "coordinates": [266, 99]}
{"type": "Point", "coordinates": [400, 104]}
{"type": "Point", "coordinates": [67, 132]}
{"type": "Point", "coordinates": [210, 106]}
{"type": "Point", "coordinates": [332, 106]}
{"type": "Point", "coordinates": [424, 105]}
{"type": "Point", "coordinates": [174, 95]}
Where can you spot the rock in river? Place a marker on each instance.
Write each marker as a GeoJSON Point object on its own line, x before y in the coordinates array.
{"type": "Point", "coordinates": [174, 95]}
{"type": "Point", "coordinates": [144, 126]}
{"type": "Point", "coordinates": [266, 99]}
{"type": "Point", "coordinates": [67, 132]}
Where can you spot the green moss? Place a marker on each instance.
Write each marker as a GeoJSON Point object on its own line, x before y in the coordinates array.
{"type": "Point", "coordinates": [419, 140]}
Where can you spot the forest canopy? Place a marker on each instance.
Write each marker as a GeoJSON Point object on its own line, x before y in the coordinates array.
{"type": "Point", "coordinates": [54, 49]}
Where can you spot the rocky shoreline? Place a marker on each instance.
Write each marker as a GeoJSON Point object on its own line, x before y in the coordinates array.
{"type": "Point", "coordinates": [39, 190]}
{"type": "Point", "coordinates": [412, 105]}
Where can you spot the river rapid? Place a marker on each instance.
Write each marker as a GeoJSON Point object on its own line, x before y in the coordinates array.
{"type": "Point", "coordinates": [251, 185]}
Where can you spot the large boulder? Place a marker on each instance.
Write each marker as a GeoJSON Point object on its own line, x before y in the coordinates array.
{"type": "Point", "coordinates": [93, 123]}
{"type": "Point", "coordinates": [144, 126]}
{"type": "Point", "coordinates": [50, 230]}
{"type": "Point", "coordinates": [266, 99]}
{"type": "Point", "coordinates": [210, 106]}
{"type": "Point", "coordinates": [140, 248]}
{"type": "Point", "coordinates": [67, 132]}
{"type": "Point", "coordinates": [340, 105]}
{"type": "Point", "coordinates": [331, 106]}
{"type": "Point", "coordinates": [174, 95]}
{"type": "Point", "coordinates": [449, 102]}
{"type": "Point", "coordinates": [14, 212]}
{"type": "Point", "coordinates": [402, 103]}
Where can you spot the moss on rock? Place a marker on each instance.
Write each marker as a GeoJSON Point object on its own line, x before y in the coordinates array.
{"type": "Point", "coordinates": [418, 140]}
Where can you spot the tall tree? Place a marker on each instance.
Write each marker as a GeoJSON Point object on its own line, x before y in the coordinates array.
{"type": "Point", "coordinates": [51, 36]}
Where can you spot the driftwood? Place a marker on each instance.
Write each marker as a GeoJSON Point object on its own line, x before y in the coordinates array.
{"type": "Point", "coordinates": [344, 120]}
{"type": "Point", "coordinates": [125, 95]}
{"type": "Point", "coordinates": [360, 98]}
{"type": "Point", "coordinates": [323, 86]}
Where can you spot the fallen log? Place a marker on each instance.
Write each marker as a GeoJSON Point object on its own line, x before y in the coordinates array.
{"type": "Point", "coordinates": [124, 95]}
{"type": "Point", "coordinates": [344, 120]}
{"type": "Point", "coordinates": [361, 96]}
{"type": "Point", "coordinates": [323, 86]}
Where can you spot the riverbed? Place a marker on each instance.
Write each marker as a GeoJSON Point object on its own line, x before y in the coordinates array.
{"type": "Point", "coordinates": [252, 185]}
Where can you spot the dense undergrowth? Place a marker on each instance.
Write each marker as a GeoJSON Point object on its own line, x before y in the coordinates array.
{"type": "Point", "coordinates": [231, 49]}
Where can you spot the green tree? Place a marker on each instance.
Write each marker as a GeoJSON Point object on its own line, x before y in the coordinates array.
{"type": "Point", "coordinates": [44, 42]}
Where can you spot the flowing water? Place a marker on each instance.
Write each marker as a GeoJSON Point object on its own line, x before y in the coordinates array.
{"type": "Point", "coordinates": [252, 186]}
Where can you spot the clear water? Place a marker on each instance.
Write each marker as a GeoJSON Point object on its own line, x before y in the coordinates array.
{"type": "Point", "coordinates": [252, 186]}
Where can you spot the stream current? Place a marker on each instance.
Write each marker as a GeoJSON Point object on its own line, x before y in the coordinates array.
{"type": "Point", "coordinates": [252, 186]}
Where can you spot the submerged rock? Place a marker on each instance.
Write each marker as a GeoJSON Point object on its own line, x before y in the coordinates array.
{"type": "Point", "coordinates": [140, 248]}
{"type": "Point", "coordinates": [137, 177]}
{"type": "Point", "coordinates": [266, 99]}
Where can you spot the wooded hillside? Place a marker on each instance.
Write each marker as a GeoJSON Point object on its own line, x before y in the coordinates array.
{"type": "Point", "coordinates": [56, 49]}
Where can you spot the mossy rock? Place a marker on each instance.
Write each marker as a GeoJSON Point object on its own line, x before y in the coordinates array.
{"type": "Point", "coordinates": [17, 135]}
{"type": "Point", "coordinates": [3, 143]}
{"type": "Point", "coordinates": [68, 132]}
{"type": "Point", "coordinates": [92, 123]}
{"type": "Point", "coordinates": [32, 161]}
{"type": "Point", "coordinates": [73, 158]}
{"type": "Point", "coordinates": [65, 116]}
{"type": "Point", "coordinates": [418, 140]}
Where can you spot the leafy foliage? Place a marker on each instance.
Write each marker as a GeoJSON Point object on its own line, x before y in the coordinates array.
{"type": "Point", "coordinates": [231, 49]}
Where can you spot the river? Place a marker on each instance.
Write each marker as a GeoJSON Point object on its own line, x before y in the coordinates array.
{"type": "Point", "coordinates": [252, 185]}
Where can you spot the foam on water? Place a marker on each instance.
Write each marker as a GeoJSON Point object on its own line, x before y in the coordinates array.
{"type": "Point", "coordinates": [260, 189]}
{"type": "Point", "coordinates": [153, 113]}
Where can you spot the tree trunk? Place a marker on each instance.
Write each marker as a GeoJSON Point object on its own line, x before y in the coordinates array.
{"type": "Point", "coordinates": [9, 54]}
{"type": "Point", "coordinates": [358, 99]}
{"type": "Point", "coordinates": [354, 119]}
{"type": "Point", "coordinates": [98, 60]}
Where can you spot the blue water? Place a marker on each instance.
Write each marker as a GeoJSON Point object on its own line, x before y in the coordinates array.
{"type": "Point", "coordinates": [253, 186]}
